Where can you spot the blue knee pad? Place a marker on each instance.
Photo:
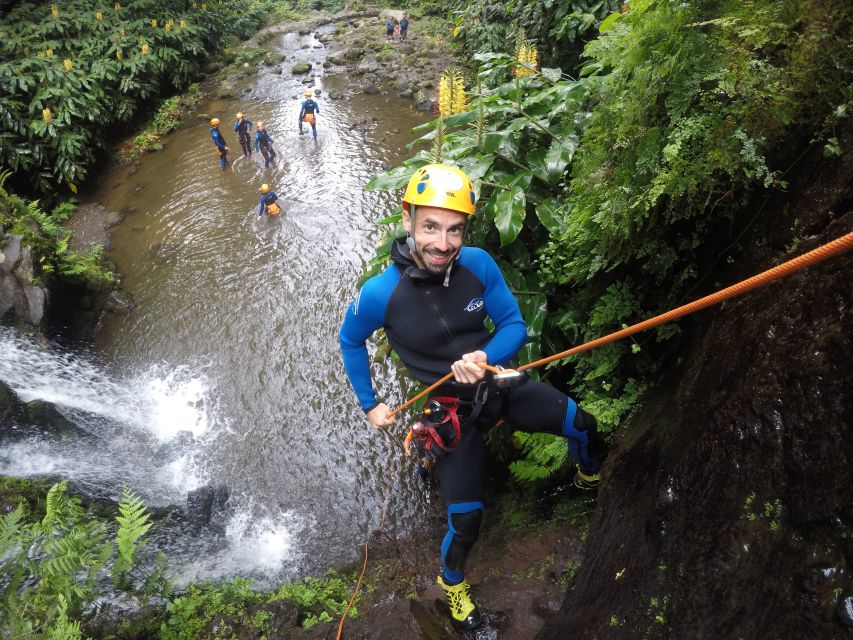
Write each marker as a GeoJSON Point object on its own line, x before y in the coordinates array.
{"type": "Point", "coordinates": [575, 428]}
{"type": "Point", "coordinates": [463, 529]}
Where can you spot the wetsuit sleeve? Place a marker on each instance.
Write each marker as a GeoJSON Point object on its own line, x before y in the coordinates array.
{"type": "Point", "coordinates": [249, 124]}
{"type": "Point", "coordinates": [302, 110]}
{"type": "Point", "coordinates": [236, 125]}
{"type": "Point", "coordinates": [364, 316]}
{"type": "Point", "coordinates": [501, 306]}
{"type": "Point", "coordinates": [257, 141]}
{"type": "Point", "coordinates": [217, 140]}
{"type": "Point", "coordinates": [261, 210]}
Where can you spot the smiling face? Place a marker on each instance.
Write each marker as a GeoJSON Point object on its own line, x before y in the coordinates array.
{"type": "Point", "coordinates": [438, 236]}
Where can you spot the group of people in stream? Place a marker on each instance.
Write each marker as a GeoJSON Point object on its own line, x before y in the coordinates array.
{"type": "Point", "coordinates": [432, 301]}
{"type": "Point", "coordinates": [263, 144]}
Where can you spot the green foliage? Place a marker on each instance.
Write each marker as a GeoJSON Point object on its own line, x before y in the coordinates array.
{"type": "Point", "coordinates": [600, 196]}
{"type": "Point", "coordinates": [544, 454]}
{"type": "Point", "coordinates": [52, 566]}
{"type": "Point", "coordinates": [319, 599]}
{"type": "Point", "coordinates": [133, 525]}
{"type": "Point", "coordinates": [170, 114]}
{"type": "Point", "coordinates": [44, 233]}
{"type": "Point", "coordinates": [67, 77]}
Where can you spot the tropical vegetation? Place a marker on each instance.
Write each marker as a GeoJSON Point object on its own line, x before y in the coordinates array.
{"type": "Point", "coordinates": [614, 177]}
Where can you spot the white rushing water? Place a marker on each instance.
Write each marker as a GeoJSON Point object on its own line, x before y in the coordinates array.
{"type": "Point", "coordinates": [148, 432]}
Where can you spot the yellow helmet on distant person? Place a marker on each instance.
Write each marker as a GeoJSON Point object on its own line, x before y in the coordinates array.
{"type": "Point", "coordinates": [439, 185]}
{"type": "Point", "coordinates": [264, 188]}
{"type": "Point", "coordinates": [307, 93]}
{"type": "Point", "coordinates": [214, 122]}
{"type": "Point", "coordinates": [239, 116]}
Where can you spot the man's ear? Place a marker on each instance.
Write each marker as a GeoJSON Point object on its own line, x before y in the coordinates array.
{"type": "Point", "coordinates": [407, 222]}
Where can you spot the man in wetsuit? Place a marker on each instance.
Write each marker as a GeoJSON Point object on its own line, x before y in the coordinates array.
{"type": "Point", "coordinates": [243, 126]}
{"type": "Point", "coordinates": [268, 202]}
{"type": "Point", "coordinates": [308, 113]}
{"type": "Point", "coordinates": [432, 302]}
{"type": "Point", "coordinates": [219, 141]}
{"type": "Point", "coordinates": [263, 143]}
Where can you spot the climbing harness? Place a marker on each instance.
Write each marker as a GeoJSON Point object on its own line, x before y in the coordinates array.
{"type": "Point", "coordinates": [828, 250]}
{"type": "Point", "coordinates": [436, 434]}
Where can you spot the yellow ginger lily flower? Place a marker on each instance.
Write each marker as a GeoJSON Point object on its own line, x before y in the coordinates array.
{"type": "Point", "coordinates": [54, 11]}
{"type": "Point", "coordinates": [145, 49]}
{"type": "Point", "coordinates": [528, 60]}
{"type": "Point", "coordinates": [119, 55]}
{"type": "Point", "coordinates": [99, 16]}
{"type": "Point", "coordinates": [154, 23]}
{"type": "Point", "coordinates": [47, 116]}
{"type": "Point", "coordinates": [67, 64]}
{"type": "Point", "coordinates": [451, 92]}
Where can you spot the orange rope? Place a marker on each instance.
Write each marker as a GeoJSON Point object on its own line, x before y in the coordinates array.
{"type": "Point", "coordinates": [354, 594]}
{"type": "Point", "coordinates": [820, 254]}
{"type": "Point", "coordinates": [786, 268]}
{"type": "Point", "coordinates": [415, 398]}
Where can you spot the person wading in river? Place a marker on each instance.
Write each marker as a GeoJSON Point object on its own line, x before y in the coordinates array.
{"type": "Point", "coordinates": [263, 143]}
{"type": "Point", "coordinates": [308, 114]}
{"type": "Point", "coordinates": [268, 202]}
{"type": "Point", "coordinates": [432, 302]}
{"type": "Point", "coordinates": [219, 141]}
{"type": "Point", "coordinates": [242, 126]}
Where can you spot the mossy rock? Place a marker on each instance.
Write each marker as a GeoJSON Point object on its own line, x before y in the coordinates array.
{"type": "Point", "coordinates": [226, 90]}
{"type": "Point", "coordinates": [301, 67]}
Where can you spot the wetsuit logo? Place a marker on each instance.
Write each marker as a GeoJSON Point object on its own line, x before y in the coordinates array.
{"type": "Point", "coordinates": [475, 305]}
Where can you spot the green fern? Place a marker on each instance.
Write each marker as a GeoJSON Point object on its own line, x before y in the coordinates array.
{"type": "Point", "coordinates": [544, 454]}
{"type": "Point", "coordinates": [133, 525]}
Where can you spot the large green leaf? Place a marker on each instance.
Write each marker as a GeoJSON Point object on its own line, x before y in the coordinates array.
{"type": "Point", "coordinates": [508, 210]}
{"type": "Point", "coordinates": [493, 139]}
{"type": "Point", "coordinates": [549, 215]}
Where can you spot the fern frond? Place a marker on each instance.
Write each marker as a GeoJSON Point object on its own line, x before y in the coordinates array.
{"type": "Point", "coordinates": [133, 525]}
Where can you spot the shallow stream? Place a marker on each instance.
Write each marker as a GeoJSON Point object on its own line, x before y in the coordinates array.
{"type": "Point", "coordinates": [233, 337]}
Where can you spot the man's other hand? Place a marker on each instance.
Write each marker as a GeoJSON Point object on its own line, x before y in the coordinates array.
{"type": "Point", "coordinates": [379, 417]}
{"type": "Point", "coordinates": [466, 370]}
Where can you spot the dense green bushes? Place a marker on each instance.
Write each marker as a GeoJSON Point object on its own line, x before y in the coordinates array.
{"type": "Point", "coordinates": [49, 240]}
{"type": "Point", "coordinates": [72, 69]}
{"type": "Point", "coordinates": [603, 192]}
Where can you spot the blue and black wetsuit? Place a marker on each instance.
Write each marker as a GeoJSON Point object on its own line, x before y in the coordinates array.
{"type": "Point", "coordinates": [431, 322]}
{"type": "Point", "coordinates": [242, 127]}
{"type": "Point", "coordinates": [263, 143]}
{"type": "Point", "coordinates": [219, 141]}
{"type": "Point", "coordinates": [404, 28]}
{"type": "Point", "coordinates": [267, 199]}
{"type": "Point", "coordinates": [309, 108]}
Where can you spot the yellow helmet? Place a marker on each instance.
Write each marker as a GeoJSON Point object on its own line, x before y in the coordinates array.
{"type": "Point", "coordinates": [438, 185]}
{"type": "Point", "coordinates": [264, 188]}
{"type": "Point", "coordinates": [239, 115]}
{"type": "Point", "coordinates": [214, 122]}
{"type": "Point", "coordinates": [307, 93]}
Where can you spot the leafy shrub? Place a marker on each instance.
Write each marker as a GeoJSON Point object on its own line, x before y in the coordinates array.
{"type": "Point", "coordinates": [52, 566]}
{"type": "Point", "coordinates": [600, 194]}
{"type": "Point", "coordinates": [49, 240]}
{"type": "Point", "coordinates": [70, 70]}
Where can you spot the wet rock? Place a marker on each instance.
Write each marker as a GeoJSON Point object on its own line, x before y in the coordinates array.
{"type": "Point", "coordinates": [175, 448]}
{"type": "Point", "coordinates": [318, 92]}
{"type": "Point", "coordinates": [547, 604]}
{"type": "Point", "coordinates": [354, 53]}
{"type": "Point", "coordinates": [367, 66]}
{"type": "Point", "coordinates": [427, 106]}
{"type": "Point", "coordinates": [11, 407]}
{"type": "Point", "coordinates": [370, 88]}
{"type": "Point", "coordinates": [10, 253]}
{"type": "Point", "coordinates": [50, 422]}
{"type": "Point", "coordinates": [301, 67]}
{"type": "Point", "coordinates": [334, 94]}
{"type": "Point", "coordinates": [134, 168]}
{"type": "Point", "coordinates": [305, 46]}
{"type": "Point", "coordinates": [115, 218]}
{"type": "Point", "coordinates": [205, 502]}
{"type": "Point", "coordinates": [278, 71]}
{"type": "Point", "coordinates": [338, 58]}
{"type": "Point", "coordinates": [139, 187]}
{"type": "Point", "coordinates": [119, 301]}
{"type": "Point", "coordinates": [407, 93]}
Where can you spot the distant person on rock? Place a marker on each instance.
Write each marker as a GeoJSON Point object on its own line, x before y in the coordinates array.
{"type": "Point", "coordinates": [219, 141]}
{"type": "Point", "coordinates": [263, 143]}
{"type": "Point", "coordinates": [242, 126]}
{"type": "Point", "coordinates": [404, 28]}
{"type": "Point", "coordinates": [268, 202]}
{"type": "Point", "coordinates": [389, 29]}
{"type": "Point", "coordinates": [308, 113]}
{"type": "Point", "coordinates": [433, 302]}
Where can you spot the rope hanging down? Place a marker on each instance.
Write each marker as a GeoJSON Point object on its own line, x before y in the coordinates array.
{"type": "Point", "coordinates": [820, 254]}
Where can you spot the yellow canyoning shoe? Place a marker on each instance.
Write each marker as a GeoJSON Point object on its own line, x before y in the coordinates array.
{"type": "Point", "coordinates": [463, 611]}
{"type": "Point", "coordinates": [586, 480]}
